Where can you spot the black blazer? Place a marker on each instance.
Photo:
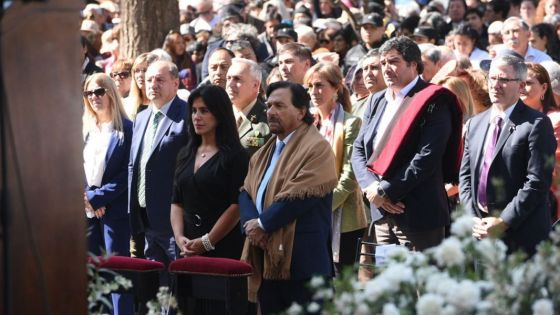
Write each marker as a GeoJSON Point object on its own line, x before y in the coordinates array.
{"type": "Point", "coordinates": [418, 183]}
{"type": "Point", "coordinates": [519, 177]}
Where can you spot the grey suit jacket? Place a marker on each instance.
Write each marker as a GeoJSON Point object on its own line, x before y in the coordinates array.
{"type": "Point", "coordinates": [519, 177]}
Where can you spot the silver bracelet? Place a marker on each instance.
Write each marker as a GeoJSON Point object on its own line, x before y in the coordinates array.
{"type": "Point", "coordinates": [206, 243]}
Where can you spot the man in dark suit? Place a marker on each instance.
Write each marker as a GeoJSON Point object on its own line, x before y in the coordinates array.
{"type": "Point", "coordinates": [408, 204]}
{"type": "Point", "coordinates": [159, 134]}
{"type": "Point", "coordinates": [243, 86]}
{"type": "Point", "coordinates": [507, 163]}
{"type": "Point", "coordinates": [285, 204]}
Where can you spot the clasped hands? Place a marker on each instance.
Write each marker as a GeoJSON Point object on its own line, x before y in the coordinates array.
{"type": "Point", "coordinates": [255, 234]}
{"type": "Point", "coordinates": [188, 247]}
{"type": "Point", "coordinates": [383, 202]}
{"type": "Point", "coordinates": [98, 213]}
{"type": "Point", "coordinates": [489, 226]}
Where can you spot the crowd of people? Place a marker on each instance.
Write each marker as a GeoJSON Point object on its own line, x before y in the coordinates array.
{"type": "Point", "coordinates": [282, 132]}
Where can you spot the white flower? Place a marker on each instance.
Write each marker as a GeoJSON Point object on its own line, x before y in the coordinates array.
{"type": "Point", "coordinates": [449, 310]}
{"type": "Point", "coordinates": [423, 273]}
{"type": "Point", "coordinates": [491, 250]}
{"type": "Point", "coordinates": [313, 307]}
{"type": "Point", "coordinates": [396, 274]}
{"type": "Point", "coordinates": [294, 309]}
{"type": "Point", "coordinates": [429, 304]}
{"type": "Point", "coordinates": [317, 282]}
{"type": "Point", "coordinates": [362, 309]}
{"type": "Point", "coordinates": [543, 307]}
{"type": "Point", "coordinates": [462, 226]}
{"type": "Point", "coordinates": [450, 253]}
{"type": "Point", "coordinates": [441, 285]}
{"type": "Point", "coordinates": [390, 309]}
{"type": "Point", "coordinates": [375, 288]}
{"type": "Point", "coordinates": [465, 296]}
{"type": "Point", "coordinates": [398, 254]}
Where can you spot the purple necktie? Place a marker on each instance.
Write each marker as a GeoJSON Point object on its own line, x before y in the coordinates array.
{"type": "Point", "coordinates": [488, 154]}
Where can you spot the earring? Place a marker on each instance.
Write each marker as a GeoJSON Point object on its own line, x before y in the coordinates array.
{"type": "Point", "coordinates": [542, 97]}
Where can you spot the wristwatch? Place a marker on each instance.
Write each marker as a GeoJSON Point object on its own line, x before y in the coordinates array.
{"type": "Point", "coordinates": [380, 192]}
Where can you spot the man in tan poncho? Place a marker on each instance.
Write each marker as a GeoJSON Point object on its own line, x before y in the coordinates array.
{"type": "Point", "coordinates": [285, 204]}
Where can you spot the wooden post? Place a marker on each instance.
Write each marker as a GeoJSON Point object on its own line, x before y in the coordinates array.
{"type": "Point", "coordinates": [44, 228]}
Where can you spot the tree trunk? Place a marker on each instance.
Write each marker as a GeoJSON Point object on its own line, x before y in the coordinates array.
{"type": "Point", "coordinates": [145, 24]}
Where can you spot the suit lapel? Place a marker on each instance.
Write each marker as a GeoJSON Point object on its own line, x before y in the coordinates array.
{"type": "Point", "coordinates": [142, 122]}
{"type": "Point", "coordinates": [244, 128]}
{"type": "Point", "coordinates": [112, 144]}
{"type": "Point", "coordinates": [478, 139]}
{"type": "Point", "coordinates": [370, 133]}
{"type": "Point", "coordinates": [165, 123]}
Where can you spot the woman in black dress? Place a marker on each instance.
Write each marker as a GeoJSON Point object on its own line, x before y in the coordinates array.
{"type": "Point", "coordinates": [210, 171]}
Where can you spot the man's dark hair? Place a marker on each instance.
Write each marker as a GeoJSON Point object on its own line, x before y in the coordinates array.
{"type": "Point", "coordinates": [466, 30]}
{"type": "Point", "coordinates": [298, 50]}
{"type": "Point", "coordinates": [474, 11]}
{"type": "Point", "coordinates": [300, 98]}
{"type": "Point", "coordinates": [500, 6]}
{"type": "Point", "coordinates": [229, 52]}
{"type": "Point", "coordinates": [407, 48]}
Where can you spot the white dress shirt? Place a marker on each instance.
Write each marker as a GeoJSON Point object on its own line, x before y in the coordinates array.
{"type": "Point", "coordinates": [95, 152]}
{"type": "Point", "coordinates": [393, 104]}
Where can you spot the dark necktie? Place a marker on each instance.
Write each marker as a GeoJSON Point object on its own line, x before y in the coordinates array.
{"type": "Point", "coordinates": [488, 154]}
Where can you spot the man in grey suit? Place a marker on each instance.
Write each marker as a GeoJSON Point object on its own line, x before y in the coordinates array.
{"type": "Point", "coordinates": [243, 86]}
{"type": "Point", "coordinates": [507, 163]}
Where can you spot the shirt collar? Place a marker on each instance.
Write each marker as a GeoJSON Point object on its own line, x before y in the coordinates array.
{"type": "Point", "coordinates": [164, 109]}
{"type": "Point", "coordinates": [505, 115]}
{"type": "Point", "coordinates": [285, 139]}
{"type": "Point", "coordinates": [245, 110]}
{"type": "Point", "coordinates": [403, 92]}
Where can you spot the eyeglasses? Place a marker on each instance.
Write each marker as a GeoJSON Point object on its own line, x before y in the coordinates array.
{"type": "Point", "coordinates": [122, 75]}
{"type": "Point", "coordinates": [99, 92]}
{"type": "Point", "coordinates": [502, 81]}
{"type": "Point", "coordinates": [140, 70]}
{"type": "Point", "coordinates": [205, 13]}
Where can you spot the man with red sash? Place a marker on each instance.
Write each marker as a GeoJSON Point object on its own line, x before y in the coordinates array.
{"type": "Point", "coordinates": [408, 147]}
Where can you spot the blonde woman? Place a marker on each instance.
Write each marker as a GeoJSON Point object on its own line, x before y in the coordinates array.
{"type": "Point", "coordinates": [461, 89]}
{"type": "Point", "coordinates": [137, 100]}
{"type": "Point", "coordinates": [331, 99]}
{"type": "Point", "coordinates": [107, 134]}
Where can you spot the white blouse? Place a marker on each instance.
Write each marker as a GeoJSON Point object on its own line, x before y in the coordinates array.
{"type": "Point", "coordinates": [95, 151]}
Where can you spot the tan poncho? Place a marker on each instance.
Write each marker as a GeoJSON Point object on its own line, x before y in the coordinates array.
{"type": "Point", "coordinates": [306, 169]}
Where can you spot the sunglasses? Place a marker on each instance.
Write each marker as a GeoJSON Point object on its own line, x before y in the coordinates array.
{"type": "Point", "coordinates": [122, 75]}
{"type": "Point", "coordinates": [99, 92]}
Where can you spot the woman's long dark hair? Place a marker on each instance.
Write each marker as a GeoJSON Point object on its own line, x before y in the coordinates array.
{"type": "Point", "coordinates": [542, 76]}
{"type": "Point", "coordinates": [227, 137]}
{"type": "Point", "coordinates": [552, 42]}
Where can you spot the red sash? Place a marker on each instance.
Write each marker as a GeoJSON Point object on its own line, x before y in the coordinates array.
{"type": "Point", "coordinates": [386, 162]}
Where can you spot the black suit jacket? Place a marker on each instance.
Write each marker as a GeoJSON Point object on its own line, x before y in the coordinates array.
{"type": "Point", "coordinates": [519, 177]}
{"type": "Point", "coordinates": [418, 181]}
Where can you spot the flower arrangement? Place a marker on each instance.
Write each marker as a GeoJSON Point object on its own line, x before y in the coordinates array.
{"type": "Point", "coordinates": [461, 276]}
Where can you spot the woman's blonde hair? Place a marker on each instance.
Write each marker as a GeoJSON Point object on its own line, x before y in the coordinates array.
{"type": "Point", "coordinates": [89, 118]}
{"type": "Point", "coordinates": [136, 96]}
{"type": "Point", "coordinates": [332, 74]}
{"type": "Point", "coordinates": [461, 89]}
